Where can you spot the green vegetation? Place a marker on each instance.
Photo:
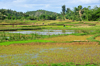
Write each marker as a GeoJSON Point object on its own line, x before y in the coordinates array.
{"type": "Point", "coordinates": [85, 21]}
{"type": "Point", "coordinates": [86, 14]}
{"type": "Point", "coordinates": [78, 14]}
{"type": "Point", "coordinates": [24, 41]}
{"type": "Point", "coordinates": [64, 64]}
{"type": "Point", "coordinates": [6, 14]}
{"type": "Point", "coordinates": [4, 37]}
{"type": "Point", "coordinates": [41, 12]}
{"type": "Point", "coordinates": [8, 37]}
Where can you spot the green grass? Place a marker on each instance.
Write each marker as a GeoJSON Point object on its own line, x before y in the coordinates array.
{"type": "Point", "coordinates": [22, 28]}
{"type": "Point", "coordinates": [25, 41]}
{"type": "Point", "coordinates": [65, 64]}
{"type": "Point", "coordinates": [93, 38]}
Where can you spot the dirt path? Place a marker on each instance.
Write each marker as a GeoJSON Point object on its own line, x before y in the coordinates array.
{"type": "Point", "coordinates": [40, 53]}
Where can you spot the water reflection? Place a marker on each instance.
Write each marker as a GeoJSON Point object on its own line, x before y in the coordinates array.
{"type": "Point", "coordinates": [46, 32]}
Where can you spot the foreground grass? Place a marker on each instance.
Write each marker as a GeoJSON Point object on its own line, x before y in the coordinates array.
{"type": "Point", "coordinates": [50, 53]}
{"type": "Point", "coordinates": [65, 64]}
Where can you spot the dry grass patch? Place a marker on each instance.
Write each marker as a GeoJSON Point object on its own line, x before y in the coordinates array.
{"type": "Point", "coordinates": [52, 21]}
{"type": "Point", "coordinates": [86, 26]}
{"type": "Point", "coordinates": [98, 38]}
{"type": "Point", "coordinates": [69, 38]}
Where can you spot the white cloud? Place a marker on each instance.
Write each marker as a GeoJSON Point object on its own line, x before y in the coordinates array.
{"type": "Point", "coordinates": [51, 5]}
{"type": "Point", "coordinates": [19, 1]}
{"type": "Point", "coordinates": [89, 1]}
{"type": "Point", "coordinates": [82, 1]}
{"type": "Point", "coordinates": [48, 5]}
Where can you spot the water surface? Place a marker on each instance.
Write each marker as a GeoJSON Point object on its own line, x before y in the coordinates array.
{"type": "Point", "coordinates": [46, 32]}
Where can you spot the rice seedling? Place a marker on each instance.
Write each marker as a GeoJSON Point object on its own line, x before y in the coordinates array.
{"type": "Point", "coordinates": [49, 53]}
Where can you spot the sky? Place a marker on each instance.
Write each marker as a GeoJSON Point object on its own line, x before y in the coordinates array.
{"type": "Point", "coordinates": [49, 5]}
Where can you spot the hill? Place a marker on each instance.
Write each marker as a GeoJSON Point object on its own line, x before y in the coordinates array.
{"type": "Point", "coordinates": [40, 12]}
{"type": "Point", "coordinates": [10, 14]}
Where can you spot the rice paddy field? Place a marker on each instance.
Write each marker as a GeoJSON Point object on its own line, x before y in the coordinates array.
{"type": "Point", "coordinates": [50, 44]}
{"type": "Point", "coordinates": [49, 53]}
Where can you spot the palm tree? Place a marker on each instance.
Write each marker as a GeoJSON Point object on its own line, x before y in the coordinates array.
{"type": "Point", "coordinates": [80, 11]}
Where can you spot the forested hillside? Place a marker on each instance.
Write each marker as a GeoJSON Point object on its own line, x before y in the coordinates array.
{"type": "Point", "coordinates": [32, 15]}
{"type": "Point", "coordinates": [78, 13]}
{"type": "Point", "coordinates": [40, 12]}
{"type": "Point", "coordinates": [10, 14]}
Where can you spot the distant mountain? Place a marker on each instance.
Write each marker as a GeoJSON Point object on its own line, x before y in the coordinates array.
{"type": "Point", "coordinates": [40, 12]}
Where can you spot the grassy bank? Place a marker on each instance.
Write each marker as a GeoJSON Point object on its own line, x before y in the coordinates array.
{"type": "Point", "coordinates": [24, 41]}
{"type": "Point", "coordinates": [65, 64]}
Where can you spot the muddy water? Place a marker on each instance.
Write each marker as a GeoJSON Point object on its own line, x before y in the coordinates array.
{"type": "Point", "coordinates": [19, 55]}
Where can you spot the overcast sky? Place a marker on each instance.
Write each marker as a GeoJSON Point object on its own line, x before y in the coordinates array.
{"type": "Point", "coordinates": [49, 5]}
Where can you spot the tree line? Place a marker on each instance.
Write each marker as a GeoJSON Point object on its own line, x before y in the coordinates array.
{"type": "Point", "coordinates": [79, 14]}
{"type": "Point", "coordinates": [40, 15]}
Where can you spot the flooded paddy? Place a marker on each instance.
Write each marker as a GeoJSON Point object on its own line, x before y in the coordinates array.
{"type": "Point", "coordinates": [41, 53]}
{"type": "Point", "coordinates": [46, 32]}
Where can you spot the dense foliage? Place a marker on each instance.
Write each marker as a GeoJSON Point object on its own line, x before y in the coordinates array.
{"type": "Point", "coordinates": [31, 15]}
{"type": "Point", "coordinates": [40, 12]}
{"type": "Point", "coordinates": [10, 14]}
{"type": "Point", "coordinates": [86, 14]}
{"type": "Point", "coordinates": [79, 14]}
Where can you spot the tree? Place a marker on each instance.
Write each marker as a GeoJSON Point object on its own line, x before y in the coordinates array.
{"type": "Point", "coordinates": [31, 17]}
{"type": "Point", "coordinates": [76, 10]}
{"type": "Point", "coordinates": [63, 9]}
{"type": "Point", "coordinates": [96, 14]}
{"type": "Point", "coordinates": [42, 17]}
{"type": "Point", "coordinates": [80, 11]}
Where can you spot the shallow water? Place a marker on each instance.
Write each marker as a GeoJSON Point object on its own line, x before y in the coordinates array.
{"type": "Point", "coordinates": [23, 59]}
{"type": "Point", "coordinates": [17, 59]}
{"type": "Point", "coordinates": [46, 32]}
